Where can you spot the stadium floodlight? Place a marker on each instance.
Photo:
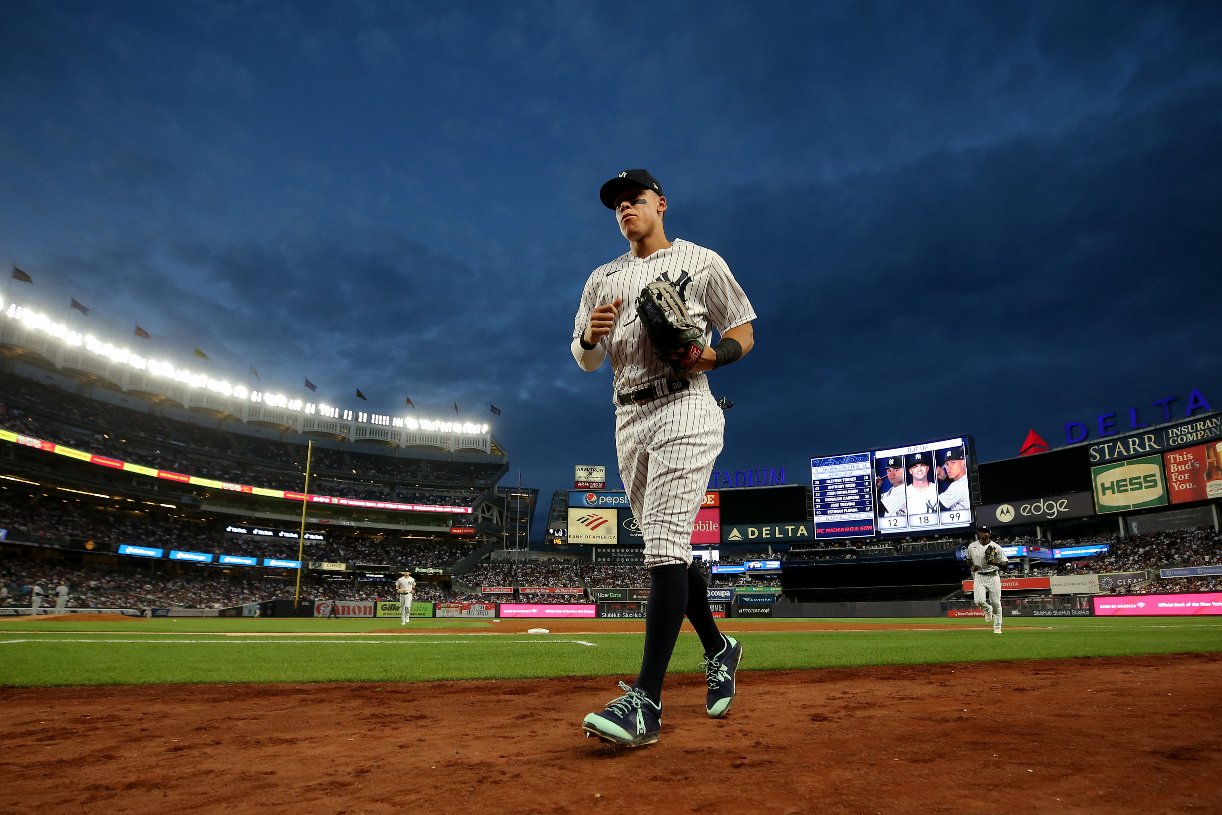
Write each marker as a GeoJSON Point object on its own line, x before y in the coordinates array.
{"type": "Point", "coordinates": [38, 322]}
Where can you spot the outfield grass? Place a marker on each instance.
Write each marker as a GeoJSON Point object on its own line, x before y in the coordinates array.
{"type": "Point", "coordinates": [204, 650]}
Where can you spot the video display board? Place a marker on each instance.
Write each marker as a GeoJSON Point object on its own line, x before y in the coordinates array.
{"type": "Point", "coordinates": [1042, 475]}
{"type": "Point", "coordinates": [842, 496]}
{"type": "Point", "coordinates": [924, 487]}
{"type": "Point", "coordinates": [914, 489]}
{"type": "Point", "coordinates": [763, 505]}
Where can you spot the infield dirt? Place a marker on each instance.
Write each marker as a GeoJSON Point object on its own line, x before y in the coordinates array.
{"type": "Point", "coordinates": [1125, 735]}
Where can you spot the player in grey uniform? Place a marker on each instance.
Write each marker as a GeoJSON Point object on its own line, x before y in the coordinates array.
{"type": "Point", "coordinates": [986, 559]}
{"type": "Point", "coordinates": [668, 432]}
{"type": "Point", "coordinates": [61, 598]}
{"type": "Point", "coordinates": [406, 587]}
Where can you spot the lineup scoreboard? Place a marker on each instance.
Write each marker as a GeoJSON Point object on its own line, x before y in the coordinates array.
{"type": "Point", "coordinates": [915, 489]}
{"type": "Point", "coordinates": [924, 487]}
{"type": "Point", "coordinates": [842, 496]}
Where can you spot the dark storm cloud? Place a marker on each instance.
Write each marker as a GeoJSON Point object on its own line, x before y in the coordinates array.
{"type": "Point", "coordinates": [951, 217]}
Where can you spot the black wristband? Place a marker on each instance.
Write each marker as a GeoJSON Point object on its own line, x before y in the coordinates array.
{"type": "Point", "coordinates": [582, 340]}
{"type": "Point", "coordinates": [727, 350]}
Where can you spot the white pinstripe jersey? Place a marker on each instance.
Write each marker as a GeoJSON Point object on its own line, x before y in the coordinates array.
{"type": "Point", "coordinates": [713, 297]}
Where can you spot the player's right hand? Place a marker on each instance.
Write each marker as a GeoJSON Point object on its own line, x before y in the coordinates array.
{"type": "Point", "coordinates": [602, 320]}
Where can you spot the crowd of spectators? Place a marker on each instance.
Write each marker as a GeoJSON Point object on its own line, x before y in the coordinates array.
{"type": "Point", "coordinates": [234, 454]}
{"type": "Point", "coordinates": [54, 521]}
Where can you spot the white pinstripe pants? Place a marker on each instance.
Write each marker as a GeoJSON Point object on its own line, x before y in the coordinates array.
{"type": "Point", "coordinates": [666, 451]}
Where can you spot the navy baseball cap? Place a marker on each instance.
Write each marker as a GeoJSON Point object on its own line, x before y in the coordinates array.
{"type": "Point", "coordinates": [918, 458]}
{"type": "Point", "coordinates": [952, 455]}
{"type": "Point", "coordinates": [895, 463]}
{"type": "Point", "coordinates": [628, 180]}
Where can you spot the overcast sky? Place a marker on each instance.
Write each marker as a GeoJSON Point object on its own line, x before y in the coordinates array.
{"type": "Point", "coordinates": [951, 218]}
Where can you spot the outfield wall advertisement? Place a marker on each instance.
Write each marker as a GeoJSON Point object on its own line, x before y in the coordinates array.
{"type": "Point", "coordinates": [477, 610]}
{"type": "Point", "coordinates": [393, 608]}
{"type": "Point", "coordinates": [1017, 584]}
{"type": "Point", "coordinates": [547, 611]}
{"type": "Point", "coordinates": [1159, 605]}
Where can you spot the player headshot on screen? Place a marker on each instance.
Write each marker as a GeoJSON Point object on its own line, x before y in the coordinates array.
{"type": "Point", "coordinates": [921, 492]}
{"type": "Point", "coordinates": [952, 479]}
{"type": "Point", "coordinates": [891, 488]}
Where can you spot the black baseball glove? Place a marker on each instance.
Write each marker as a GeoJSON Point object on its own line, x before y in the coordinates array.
{"type": "Point", "coordinates": [676, 338]}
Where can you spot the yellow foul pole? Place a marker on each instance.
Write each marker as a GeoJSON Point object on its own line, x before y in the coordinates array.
{"type": "Point", "coordinates": [305, 502]}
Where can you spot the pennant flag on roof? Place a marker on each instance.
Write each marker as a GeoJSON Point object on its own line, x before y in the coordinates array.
{"type": "Point", "coordinates": [199, 353]}
{"type": "Point", "coordinates": [140, 332]}
{"type": "Point", "coordinates": [22, 276]}
{"type": "Point", "coordinates": [496, 411]}
{"type": "Point", "coordinates": [76, 304]}
{"type": "Point", "coordinates": [360, 395]}
{"type": "Point", "coordinates": [408, 401]}
{"type": "Point", "coordinates": [311, 385]}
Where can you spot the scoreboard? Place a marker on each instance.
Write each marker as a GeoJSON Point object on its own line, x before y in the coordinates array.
{"type": "Point", "coordinates": [918, 488]}
{"type": "Point", "coordinates": [924, 487]}
{"type": "Point", "coordinates": [842, 496]}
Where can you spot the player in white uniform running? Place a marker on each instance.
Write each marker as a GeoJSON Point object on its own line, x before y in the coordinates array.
{"type": "Point", "coordinates": [668, 432]}
{"type": "Point", "coordinates": [954, 468]}
{"type": "Point", "coordinates": [984, 557]}
{"type": "Point", "coordinates": [406, 587]}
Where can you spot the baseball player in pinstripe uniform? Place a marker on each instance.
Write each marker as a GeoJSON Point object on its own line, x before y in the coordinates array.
{"type": "Point", "coordinates": [668, 432]}
{"type": "Point", "coordinates": [986, 560]}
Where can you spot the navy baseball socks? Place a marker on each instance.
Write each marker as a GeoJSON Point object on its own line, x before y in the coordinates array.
{"type": "Point", "coordinates": [719, 670]}
{"type": "Point", "coordinates": [631, 720]}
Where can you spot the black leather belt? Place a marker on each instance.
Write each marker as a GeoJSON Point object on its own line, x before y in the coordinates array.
{"type": "Point", "coordinates": [654, 390]}
{"type": "Point", "coordinates": [988, 574]}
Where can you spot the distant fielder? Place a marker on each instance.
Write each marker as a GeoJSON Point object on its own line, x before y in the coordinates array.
{"type": "Point", "coordinates": [406, 587]}
{"type": "Point", "coordinates": [986, 560]}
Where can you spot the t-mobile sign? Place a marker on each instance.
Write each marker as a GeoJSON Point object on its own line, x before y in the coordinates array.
{"type": "Point", "coordinates": [1159, 605]}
